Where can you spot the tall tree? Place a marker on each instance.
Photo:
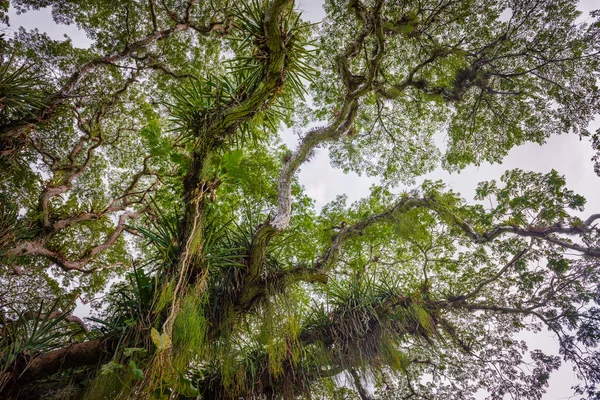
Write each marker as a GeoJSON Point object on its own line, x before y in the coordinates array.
{"type": "Point", "coordinates": [147, 171]}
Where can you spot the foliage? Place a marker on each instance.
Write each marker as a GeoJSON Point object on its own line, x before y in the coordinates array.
{"type": "Point", "coordinates": [24, 335]}
{"type": "Point", "coordinates": [19, 95]}
{"type": "Point", "coordinates": [146, 176]}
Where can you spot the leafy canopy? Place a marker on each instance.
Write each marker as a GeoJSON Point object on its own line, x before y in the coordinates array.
{"type": "Point", "coordinates": [147, 174]}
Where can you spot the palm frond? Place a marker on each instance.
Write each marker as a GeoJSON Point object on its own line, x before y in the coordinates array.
{"type": "Point", "coordinates": [29, 333]}
{"type": "Point", "coordinates": [20, 94]}
{"type": "Point", "coordinates": [162, 234]}
{"type": "Point", "coordinates": [194, 105]}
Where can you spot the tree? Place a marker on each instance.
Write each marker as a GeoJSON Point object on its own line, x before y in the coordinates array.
{"type": "Point", "coordinates": [149, 168]}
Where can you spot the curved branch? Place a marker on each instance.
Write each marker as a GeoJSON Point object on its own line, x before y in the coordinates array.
{"type": "Point", "coordinates": [38, 248]}
{"type": "Point", "coordinates": [331, 255]}
{"type": "Point", "coordinates": [544, 233]}
{"type": "Point", "coordinates": [342, 124]}
{"type": "Point", "coordinates": [281, 220]}
{"type": "Point", "coordinates": [481, 285]}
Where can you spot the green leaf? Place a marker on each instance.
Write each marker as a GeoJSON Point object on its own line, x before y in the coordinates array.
{"type": "Point", "coordinates": [185, 386]}
{"type": "Point", "coordinates": [161, 341]}
{"type": "Point", "coordinates": [131, 351]}
{"type": "Point", "coordinates": [232, 159]}
{"type": "Point", "coordinates": [111, 367]}
{"type": "Point", "coordinates": [137, 373]}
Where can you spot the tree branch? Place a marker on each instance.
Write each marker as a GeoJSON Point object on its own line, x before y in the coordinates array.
{"type": "Point", "coordinates": [22, 126]}
{"type": "Point", "coordinates": [362, 392]}
{"type": "Point", "coordinates": [485, 282]}
{"type": "Point", "coordinates": [330, 256]}
{"type": "Point", "coordinates": [44, 365]}
{"type": "Point", "coordinates": [38, 248]}
{"type": "Point", "coordinates": [544, 233]}
{"type": "Point", "coordinates": [314, 138]}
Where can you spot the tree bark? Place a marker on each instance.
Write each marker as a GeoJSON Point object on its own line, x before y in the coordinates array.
{"type": "Point", "coordinates": [47, 364]}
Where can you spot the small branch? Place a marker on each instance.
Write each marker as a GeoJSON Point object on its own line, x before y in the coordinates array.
{"type": "Point", "coordinates": [591, 219]}
{"type": "Point", "coordinates": [153, 15]}
{"type": "Point", "coordinates": [330, 256]}
{"type": "Point", "coordinates": [485, 282]}
{"type": "Point", "coordinates": [188, 11]}
{"type": "Point", "coordinates": [38, 248]}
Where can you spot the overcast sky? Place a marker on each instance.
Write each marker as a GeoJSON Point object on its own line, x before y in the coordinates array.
{"type": "Point", "coordinates": [566, 154]}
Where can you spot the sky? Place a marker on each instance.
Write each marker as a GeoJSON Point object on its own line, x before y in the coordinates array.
{"type": "Point", "coordinates": [567, 154]}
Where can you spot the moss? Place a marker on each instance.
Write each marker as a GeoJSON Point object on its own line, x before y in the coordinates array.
{"type": "Point", "coordinates": [189, 331]}
{"type": "Point", "coordinates": [166, 296]}
{"type": "Point", "coordinates": [392, 357]}
{"type": "Point", "coordinates": [277, 351]}
{"type": "Point", "coordinates": [113, 386]}
{"type": "Point", "coordinates": [422, 318]}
